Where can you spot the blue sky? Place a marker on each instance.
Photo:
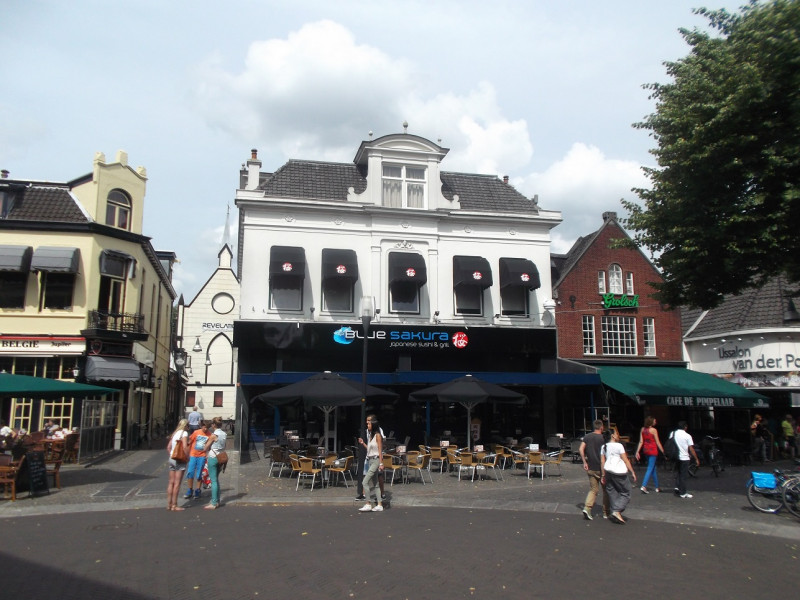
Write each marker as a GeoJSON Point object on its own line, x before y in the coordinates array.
{"type": "Point", "coordinates": [545, 92]}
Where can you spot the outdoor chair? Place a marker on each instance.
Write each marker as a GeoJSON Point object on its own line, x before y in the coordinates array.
{"type": "Point", "coordinates": [553, 443]}
{"type": "Point", "coordinates": [278, 458]}
{"type": "Point", "coordinates": [437, 456]}
{"type": "Point", "coordinates": [8, 477]}
{"type": "Point", "coordinates": [53, 457]}
{"type": "Point", "coordinates": [520, 459]}
{"type": "Point", "coordinates": [294, 462]}
{"type": "Point", "coordinates": [421, 468]}
{"type": "Point", "coordinates": [467, 462]}
{"type": "Point", "coordinates": [307, 469]}
{"type": "Point", "coordinates": [554, 461]}
{"type": "Point", "coordinates": [390, 463]}
{"type": "Point", "coordinates": [490, 461]}
{"type": "Point", "coordinates": [535, 462]}
{"type": "Point", "coordinates": [453, 459]}
{"type": "Point", "coordinates": [503, 453]}
{"type": "Point", "coordinates": [341, 468]}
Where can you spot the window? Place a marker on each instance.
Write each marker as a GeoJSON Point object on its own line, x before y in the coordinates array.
{"type": "Point", "coordinates": [287, 271]}
{"type": "Point", "coordinates": [601, 282]}
{"type": "Point", "coordinates": [339, 276]}
{"type": "Point", "coordinates": [118, 209]}
{"type": "Point", "coordinates": [217, 399]}
{"type": "Point", "coordinates": [407, 274]}
{"type": "Point", "coordinates": [12, 289]}
{"type": "Point", "coordinates": [514, 301]}
{"type": "Point", "coordinates": [649, 330]}
{"type": "Point", "coordinates": [588, 334]}
{"type": "Point", "coordinates": [190, 396]}
{"type": "Point", "coordinates": [56, 290]}
{"type": "Point", "coordinates": [471, 275]}
{"type": "Point", "coordinates": [403, 186]}
{"type": "Point", "coordinates": [619, 335]}
{"type": "Point", "coordinates": [615, 279]}
{"type": "Point", "coordinates": [629, 283]}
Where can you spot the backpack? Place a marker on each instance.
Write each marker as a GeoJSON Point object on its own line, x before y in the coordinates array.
{"type": "Point", "coordinates": [671, 450]}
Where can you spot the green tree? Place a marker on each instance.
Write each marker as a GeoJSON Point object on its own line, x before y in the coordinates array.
{"type": "Point", "coordinates": [723, 212]}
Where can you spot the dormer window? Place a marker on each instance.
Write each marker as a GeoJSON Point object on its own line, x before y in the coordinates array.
{"type": "Point", "coordinates": [118, 209]}
{"type": "Point", "coordinates": [403, 186]}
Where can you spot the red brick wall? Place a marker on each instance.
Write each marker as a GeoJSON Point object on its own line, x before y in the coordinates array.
{"type": "Point", "coordinates": [581, 283]}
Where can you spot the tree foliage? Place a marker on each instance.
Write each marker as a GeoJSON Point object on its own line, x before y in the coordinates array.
{"type": "Point", "coordinates": [723, 210]}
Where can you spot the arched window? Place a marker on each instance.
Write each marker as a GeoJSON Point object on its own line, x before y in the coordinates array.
{"type": "Point", "coordinates": [615, 279]}
{"type": "Point", "coordinates": [118, 209]}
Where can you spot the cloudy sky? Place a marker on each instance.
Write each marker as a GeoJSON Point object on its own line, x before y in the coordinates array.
{"type": "Point", "coordinates": [543, 91]}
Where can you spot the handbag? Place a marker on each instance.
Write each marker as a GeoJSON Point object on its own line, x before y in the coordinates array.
{"type": "Point", "coordinates": [178, 454]}
{"type": "Point", "coordinates": [222, 460]}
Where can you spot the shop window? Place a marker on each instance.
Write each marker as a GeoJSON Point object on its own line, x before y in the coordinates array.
{"type": "Point", "coordinates": [118, 209]}
{"type": "Point", "coordinates": [190, 398]}
{"type": "Point", "coordinates": [619, 335]}
{"type": "Point", "coordinates": [649, 332]}
{"type": "Point", "coordinates": [588, 334]}
{"type": "Point", "coordinates": [403, 186]}
{"type": "Point", "coordinates": [12, 289]}
{"type": "Point", "coordinates": [218, 399]}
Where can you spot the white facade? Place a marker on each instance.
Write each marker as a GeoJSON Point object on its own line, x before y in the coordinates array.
{"type": "Point", "coordinates": [205, 330]}
{"type": "Point", "coordinates": [438, 230]}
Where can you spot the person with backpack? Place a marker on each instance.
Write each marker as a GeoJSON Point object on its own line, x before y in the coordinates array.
{"type": "Point", "coordinates": [685, 447]}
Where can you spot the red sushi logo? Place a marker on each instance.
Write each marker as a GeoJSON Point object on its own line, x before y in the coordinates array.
{"type": "Point", "coordinates": [460, 339]}
{"type": "Point", "coordinates": [287, 267]}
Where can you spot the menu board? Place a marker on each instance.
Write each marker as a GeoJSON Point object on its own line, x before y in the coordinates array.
{"type": "Point", "coordinates": [34, 474]}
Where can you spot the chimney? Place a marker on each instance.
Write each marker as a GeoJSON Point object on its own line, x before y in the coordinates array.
{"type": "Point", "coordinates": [253, 170]}
{"type": "Point", "coordinates": [609, 216]}
{"type": "Point", "coordinates": [505, 179]}
{"type": "Point", "coordinates": [4, 174]}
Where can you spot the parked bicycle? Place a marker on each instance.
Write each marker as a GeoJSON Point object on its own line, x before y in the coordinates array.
{"type": "Point", "coordinates": [710, 455]}
{"type": "Point", "coordinates": [765, 491]}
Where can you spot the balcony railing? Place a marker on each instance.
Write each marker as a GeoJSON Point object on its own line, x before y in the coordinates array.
{"type": "Point", "coordinates": [123, 322]}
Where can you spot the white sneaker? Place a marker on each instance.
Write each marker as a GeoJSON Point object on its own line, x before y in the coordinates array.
{"type": "Point", "coordinates": [378, 508]}
{"type": "Point", "coordinates": [366, 508]}
{"type": "Point", "coordinates": [686, 496]}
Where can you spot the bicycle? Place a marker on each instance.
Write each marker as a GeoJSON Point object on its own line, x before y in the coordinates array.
{"type": "Point", "coordinates": [791, 496]}
{"type": "Point", "coordinates": [710, 456]}
{"type": "Point", "coordinates": [765, 491]}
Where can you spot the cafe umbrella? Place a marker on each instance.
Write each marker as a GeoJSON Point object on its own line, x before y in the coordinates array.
{"type": "Point", "coordinates": [468, 391]}
{"type": "Point", "coordinates": [327, 391]}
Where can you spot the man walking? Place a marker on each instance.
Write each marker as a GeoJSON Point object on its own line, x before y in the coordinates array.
{"type": "Point", "coordinates": [686, 452]}
{"type": "Point", "coordinates": [195, 418]}
{"type": "Point", "coordinates": [590, 454]}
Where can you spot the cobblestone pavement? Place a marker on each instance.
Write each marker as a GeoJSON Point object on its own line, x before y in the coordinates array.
{"type": "Point", "coordinates": [137, 479]}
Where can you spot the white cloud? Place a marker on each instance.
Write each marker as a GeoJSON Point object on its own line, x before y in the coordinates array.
{"type": "Point", "coordinates": [583, 185]}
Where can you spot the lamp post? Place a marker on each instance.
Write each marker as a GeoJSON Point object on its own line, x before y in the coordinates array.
{"type": "Point", "coordinates": [367, 313]}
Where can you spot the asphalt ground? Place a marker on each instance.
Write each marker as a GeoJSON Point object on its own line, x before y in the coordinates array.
{"type": "Point", "coordinates": [106, 533]}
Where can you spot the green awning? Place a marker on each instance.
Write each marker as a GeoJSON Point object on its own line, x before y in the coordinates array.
{"type": "Point", "coordinates": [675, 386]}
{"type": "Point", "coordinates": [39, 387]}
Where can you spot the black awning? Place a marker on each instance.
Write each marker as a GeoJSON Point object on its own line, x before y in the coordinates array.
{"type": "Point", "coordinates": [339, 264]}
{"type": "Point", "coordinates": [15, 258]}
{"type": "Point", "coordinates": [407, 267]}
{"type": "Point", "coordinates": [56, 259]}
{"type": "Point", "coordinates": [115, 263]}
{"type": "Point", "coordinates": [519, 272]}
{"type": "Point", "coordinates": [287, 261]}
{"type": "Point", "coordinates": [472, 271]}
{"type": "Point", "coordinates": [103, 368]}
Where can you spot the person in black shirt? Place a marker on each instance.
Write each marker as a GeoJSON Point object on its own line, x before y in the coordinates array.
{"type": "Point", "coordinates": [590, 454]}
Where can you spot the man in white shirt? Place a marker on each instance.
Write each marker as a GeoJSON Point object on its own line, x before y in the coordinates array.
{"type": "Point", "coordinates": [685, 454]}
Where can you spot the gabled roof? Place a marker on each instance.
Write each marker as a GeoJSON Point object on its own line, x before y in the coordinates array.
{"type": "Point", "coordinates": [757, 308]}
{"type": "Point", "coordinates": [312, 180]}
{"type": "Point", "coordinates": [563, 264]}
{"type": "Point", "coordinates": [42, 202]}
